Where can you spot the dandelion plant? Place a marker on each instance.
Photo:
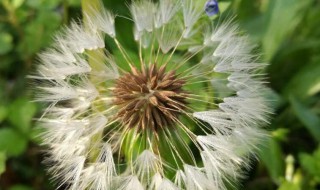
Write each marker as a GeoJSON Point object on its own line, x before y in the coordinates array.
{"type": "Point", "coordinates": [154, 117]}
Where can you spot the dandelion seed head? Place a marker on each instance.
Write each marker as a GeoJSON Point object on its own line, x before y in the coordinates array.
{"type": "Point", "coordinates": [151, 98]}
{"type": "Point", "coordinates": [151, 118]}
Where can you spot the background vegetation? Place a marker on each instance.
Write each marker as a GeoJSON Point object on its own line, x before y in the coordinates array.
{"type": "Point", "coordinates": [288, 32]}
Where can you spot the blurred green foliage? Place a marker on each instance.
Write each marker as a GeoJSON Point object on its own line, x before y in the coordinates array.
{"type": "Point", "coordinates": [26, 27]}
{"type": "Point", "coordinates": [289, 36]}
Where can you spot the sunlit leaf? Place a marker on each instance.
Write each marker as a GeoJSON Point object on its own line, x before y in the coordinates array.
{"type": "Point", "coordinates": [5, 43]}
{"type": "Point", "coordinates": [289, 186]}
{"type": "Point", "coordinates": [17, 3]}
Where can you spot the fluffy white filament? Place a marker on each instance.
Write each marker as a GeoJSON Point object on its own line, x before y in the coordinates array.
{"type": "Point", "coordinates": [191, 14]}
{"type": "Point", "coordinates": [167, 9]}
{"type": "Point", "coordinates": [78, 39]}
{"type": "Point", "coordinates": [131, 183]}
{"type": "Point", "coordinates": [143, 13]}
{"type": "Point", "coordinates": [102, 21]}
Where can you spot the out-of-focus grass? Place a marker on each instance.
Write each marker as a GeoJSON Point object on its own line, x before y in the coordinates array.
{"type": "Point", "coordinates": [288, 35]}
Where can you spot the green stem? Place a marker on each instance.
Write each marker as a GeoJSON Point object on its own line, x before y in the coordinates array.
{"type": "Point", "coordinates": [65, 12]}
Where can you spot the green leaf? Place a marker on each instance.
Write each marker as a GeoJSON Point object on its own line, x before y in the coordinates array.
{"type": "Point", "coordinates": [3, 113]}
{"type": "Point", "coordinates": [12, 142]}
{"type": "Point", "coordinates": [21, 113]}
{"type": "Point", "coordinates": [2, 162]}
{"type": "Point", "coordinates": [74, 3]}
{"type": "Point", "coordinates": [223, 6]}
{"type": "Point", "coordinates": [35, 134]}
{"type": "Point", "coordinates": [271, 156]}
{"type": "Point", "coordinates": [311, 163]}
{"type": "Point", "coordinates": [310, 120]}
{"type": "Point", "coordinates": [286, 13]}
{"type": "Point", "coordinates": [43, 4]}
{"type": "Point", "coordinates": [5, 43]}
{"type": "Point", "coordinates": [281, 133]}
{"type": "Point", "coordinates": [289, 186]}
{"type": "Point", "coordinates": [20, 187]}
{"type": "Point", "coordinates": [39, 32]}
{"type": "Point", "coordinates": [17, 3]}
{"type": "Point", "coordinates": [306, 82]}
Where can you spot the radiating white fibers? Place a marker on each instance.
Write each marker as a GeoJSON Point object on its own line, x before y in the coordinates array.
{"type": "Point", "coordinates": [188, 138]}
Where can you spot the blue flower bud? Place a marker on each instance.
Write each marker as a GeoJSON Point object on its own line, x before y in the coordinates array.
{"type": "Point", "coordinates": [211, 7]}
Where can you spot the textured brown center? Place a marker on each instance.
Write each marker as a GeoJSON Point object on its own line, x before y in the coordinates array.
{"type": "Point", "coordinates": [151, 98]}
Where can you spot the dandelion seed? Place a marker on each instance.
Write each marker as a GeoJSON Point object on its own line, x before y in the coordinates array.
{"type": "Point", "coordinates": [151, 121]}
